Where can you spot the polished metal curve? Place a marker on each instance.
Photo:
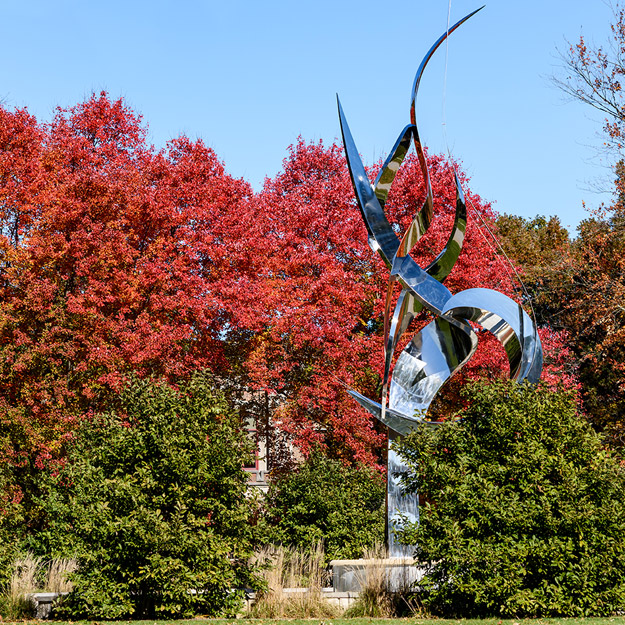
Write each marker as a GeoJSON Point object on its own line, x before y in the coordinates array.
{"type": "Point", "coordinates": [446, 344]}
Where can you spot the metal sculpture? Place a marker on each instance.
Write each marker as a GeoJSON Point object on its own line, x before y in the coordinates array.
{"type": "Point", "coordinates": [443, 346]}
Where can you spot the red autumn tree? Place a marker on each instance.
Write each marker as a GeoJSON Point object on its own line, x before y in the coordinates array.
{"type": "Point", "coordinates": [117, 259]}
{"type": "Point", "coordinates": [318, 321]}
{"type": "Point", "coordinates": [109, 264]}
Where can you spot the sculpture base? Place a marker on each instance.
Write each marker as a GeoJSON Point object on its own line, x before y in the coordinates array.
{"type": "Point", "coordinates": [353, 575]}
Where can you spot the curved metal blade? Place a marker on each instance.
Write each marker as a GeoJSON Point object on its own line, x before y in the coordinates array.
{"type": "Point", "coordinates": [426, 59]}
{"type": "Point", "coordinates": [382, 239]}
{"type": "Point", "coordinates": [385, 177]}
{"type": "Point", "coordinates": [384, 180]}
{"type": "Point", "coordinates": [442, 265]}
{"type": "Point", "coordinates": [404, 313]}
{"type": "Point", "coordinates": [445, 261]}
{"type": "Point", "coordinates": [510, 324]}
{"type": "Point", "coordinates": [396, 421]}
{"type": "Point", "coordinates": [433, 356]}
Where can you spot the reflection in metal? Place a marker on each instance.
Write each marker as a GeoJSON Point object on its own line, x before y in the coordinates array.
{"type": "Point", "coordinates": [443, 346]}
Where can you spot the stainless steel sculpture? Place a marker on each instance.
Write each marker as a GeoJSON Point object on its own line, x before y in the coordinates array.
{"type": "Point", "coordinates": [443, 346]}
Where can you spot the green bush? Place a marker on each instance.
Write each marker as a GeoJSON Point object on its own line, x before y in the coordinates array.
{"type": "Point", "coordinates": [522, 509]}
{"type": "Point", "coordinates": [12, 521]}
{"type": "Point", "coordinates": [9, 550]}
{"type": "Point", "coordinates": [323, 500]}
{"type": "Point", "coordinates": [153, 502]}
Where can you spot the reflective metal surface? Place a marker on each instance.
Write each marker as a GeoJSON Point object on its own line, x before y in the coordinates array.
{"type": "Point", "coordinates": [427, 362]}
{"type": "Point", "coordinates": [504, 318]}
{"type": "Point", "coordinates": [401, 508]}
{"type": "Point", "coordinates": [443, 346]}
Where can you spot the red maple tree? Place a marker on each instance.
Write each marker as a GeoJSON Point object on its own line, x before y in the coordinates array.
{"type": "Point", "coordinates": [108, 263]}
{"type": "Point", "coordinates": [318, 321]}
{"type": "Point", "coordinates": [118, 259]}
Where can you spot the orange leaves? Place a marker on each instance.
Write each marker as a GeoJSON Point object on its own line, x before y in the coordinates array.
{"type": "Point", "coordinates": [118, 258]}
{"type": "Point", "coordinates": [105, 259]}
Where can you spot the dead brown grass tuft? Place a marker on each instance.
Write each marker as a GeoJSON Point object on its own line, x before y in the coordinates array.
{"type": "Point", "coordinates": [294, 582]}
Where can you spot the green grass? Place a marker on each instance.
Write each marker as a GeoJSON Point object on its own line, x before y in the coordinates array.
{"type": "Point", "coordinates": [616, 620]}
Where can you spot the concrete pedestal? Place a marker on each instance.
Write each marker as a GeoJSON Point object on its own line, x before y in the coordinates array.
{"type": "Point", "coordinates": [351, 575]}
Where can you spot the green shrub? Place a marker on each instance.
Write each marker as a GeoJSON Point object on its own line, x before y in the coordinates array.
{"type": "Point", "coordinates": [153, 502]}
{"type": "Point", "coordinates": [324, 500]}
{"type": "Point", "coordinates": [11, 535]}
{"type": "Point", "coordinates": [522, 509]}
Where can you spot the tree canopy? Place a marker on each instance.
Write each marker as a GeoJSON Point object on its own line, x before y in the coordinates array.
{"type": "Point", "coordinates": [578, 285]}
{"type": "Point", "coordinates": [107, 262]}
{"type": "Point", "coordinates": [118, 259]}
{"type": "Point", "coordinates": [590, 279]}
{"type": "Point", "coordinates": [521, 508]}
{"type": "Point", "coordinates": [594, 74]}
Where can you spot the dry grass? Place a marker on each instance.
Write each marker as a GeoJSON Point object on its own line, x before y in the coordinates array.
{"type": "Point", "coordinates": [57, 575]}
{"type": "Point", "coordinates": [30, 575]}
{"type": "Point", "coordinates": [26, 573]}
{"type": "Point", "coordinates": [380, 595]}
{"type": "Point", "coordinates": [24, 581]}
{"type": "Point", "coordinates": [375, 598]}
{"type": "Point", "coordinates": [294, 580]}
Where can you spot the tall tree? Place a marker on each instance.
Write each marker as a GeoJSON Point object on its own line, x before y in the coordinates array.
{"type": "Point", "coordinates": [594, 75]}
{"type": "Point", "coordinates": [578, 287]}
{"type": "Point", "coordinates": [591, 280]}
{"type": "Point", "coordinates": [318, 320]}
{"type": "Point", "coordinates": [595, 316]}
{"type": "Point", "coordinates": [108, 264]}
{"type": "Point", "coordinates": [117, 258]}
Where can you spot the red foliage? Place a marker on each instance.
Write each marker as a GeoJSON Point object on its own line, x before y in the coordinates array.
{"type": "Point", "coordinates": [107, 261]}
{"type": "Point", "coordinates": [320, 308]}
{"type": "Point", "coordinates": [117, 259]}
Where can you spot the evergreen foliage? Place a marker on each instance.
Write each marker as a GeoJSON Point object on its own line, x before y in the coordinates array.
{"type": "Point", "coordinates": [153, 502]}
{"type": "Point", "coordinates": [325, 500]}
{"type": "Point", "coordinates": [521, 509]}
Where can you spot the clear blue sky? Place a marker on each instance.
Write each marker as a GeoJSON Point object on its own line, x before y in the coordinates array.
{"type": "Point", "coordinates": [248, 77]}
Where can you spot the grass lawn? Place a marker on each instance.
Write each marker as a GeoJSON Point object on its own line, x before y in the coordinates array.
{"type": "Point", "coordinates": [616, 620]}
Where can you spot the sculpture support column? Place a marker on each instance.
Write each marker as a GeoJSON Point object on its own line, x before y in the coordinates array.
{"type": "Point", "coordinates": [400, 507]}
